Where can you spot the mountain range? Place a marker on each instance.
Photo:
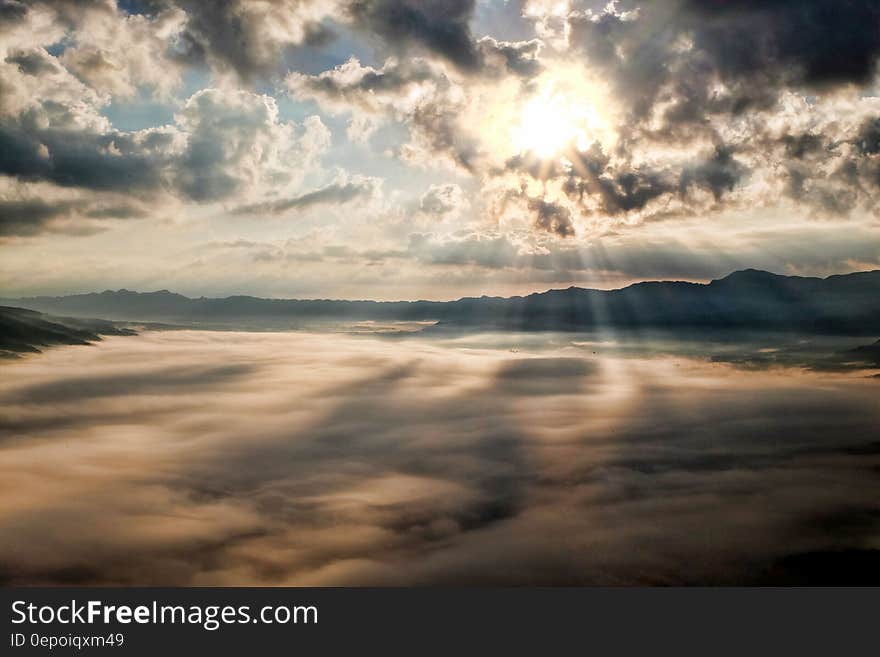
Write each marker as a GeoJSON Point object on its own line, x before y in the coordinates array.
{"type": "Point", "coordinates": [846, 304]}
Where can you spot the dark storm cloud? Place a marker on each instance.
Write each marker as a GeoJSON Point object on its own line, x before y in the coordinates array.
{"type": "Point", "coordinates": [437, 125]}
{"type": "Point", "coordinates": [629, 190]}
{"type": "Point", "coordinates": [12, 11]}
{"type": "Point", "coordinates": [441, 28]}
{"type": "Point", "coordinates": [33, 216]}
{"type": "Point", "coordinates": [551, 217]}
{"type": "Point", "coordinates": [815, 43]}
{"type": "Point", "coordinates": [72, 158]}
{"type": "Point", "coordinates": [617, 191]}
{"type": "Point", "coordinates": [868, 139]}
{"type": "Point", "coordinates": [214, 29]}
{"type": "Point", "coordinates": [251, 40]}
{"type": "Point", "coordinates": [247, 38]}
{"type": "Point", "coordinates": [29, 217]}
{"type": "Point", "coordinates": [598, 184]}
{"type": "Point", "coordinates": [632, 54]}
{"type": "Point", "coordinates": [799, 146]}
{"type": "Point", "coordinates": [424, 462]}
{"type": "Point", "coordinates": [34, 62]}
{"type": "Point", "coordinates": [334, 194]}
{"type": "Point", "coordinates": [718, 174]}
{"type": "Point", "coordinates": [759, 48]}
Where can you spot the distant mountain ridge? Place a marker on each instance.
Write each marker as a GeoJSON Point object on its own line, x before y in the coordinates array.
{"type": "Point", "coordinates": [748, 299]}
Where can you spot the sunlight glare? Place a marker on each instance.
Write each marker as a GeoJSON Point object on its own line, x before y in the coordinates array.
{"type": "Point", "coordinates": [553, 121]}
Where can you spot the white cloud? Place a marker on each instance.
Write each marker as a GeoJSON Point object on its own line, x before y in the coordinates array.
{"type": "Point", "coordinates": [236, 145]}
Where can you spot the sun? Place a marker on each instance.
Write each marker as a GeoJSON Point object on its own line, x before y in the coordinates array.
{"type": "Point", "coordinates": [548, 124]}
{"type": "Point", "coordinates": [569, 110]}
{"type": "Point", "coordinates": [565, 110]}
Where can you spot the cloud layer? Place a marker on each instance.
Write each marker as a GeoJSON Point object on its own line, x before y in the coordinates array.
{"type": "Point", "coordinates": [224, 458]}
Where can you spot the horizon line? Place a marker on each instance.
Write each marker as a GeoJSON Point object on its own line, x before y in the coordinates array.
{"type": "Point", "coordinates": [483, 296]}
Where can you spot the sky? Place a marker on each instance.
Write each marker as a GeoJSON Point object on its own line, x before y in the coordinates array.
{"type": "Point", "coordinates": [404, 149]}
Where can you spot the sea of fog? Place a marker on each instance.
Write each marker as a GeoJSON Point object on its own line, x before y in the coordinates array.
{"type": "Point", "coordinates": [301, 458]}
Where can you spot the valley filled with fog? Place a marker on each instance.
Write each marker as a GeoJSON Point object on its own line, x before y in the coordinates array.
{"type": "Point", "coordinates": [342, 458]}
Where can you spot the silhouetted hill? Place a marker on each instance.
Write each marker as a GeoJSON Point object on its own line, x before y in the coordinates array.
{"type": "Point", "coordinates": [869, 353]}
{"type": "Point", "coordinates": [750, 299]}
{"type": "Point", "coordinates": [24, 330]}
